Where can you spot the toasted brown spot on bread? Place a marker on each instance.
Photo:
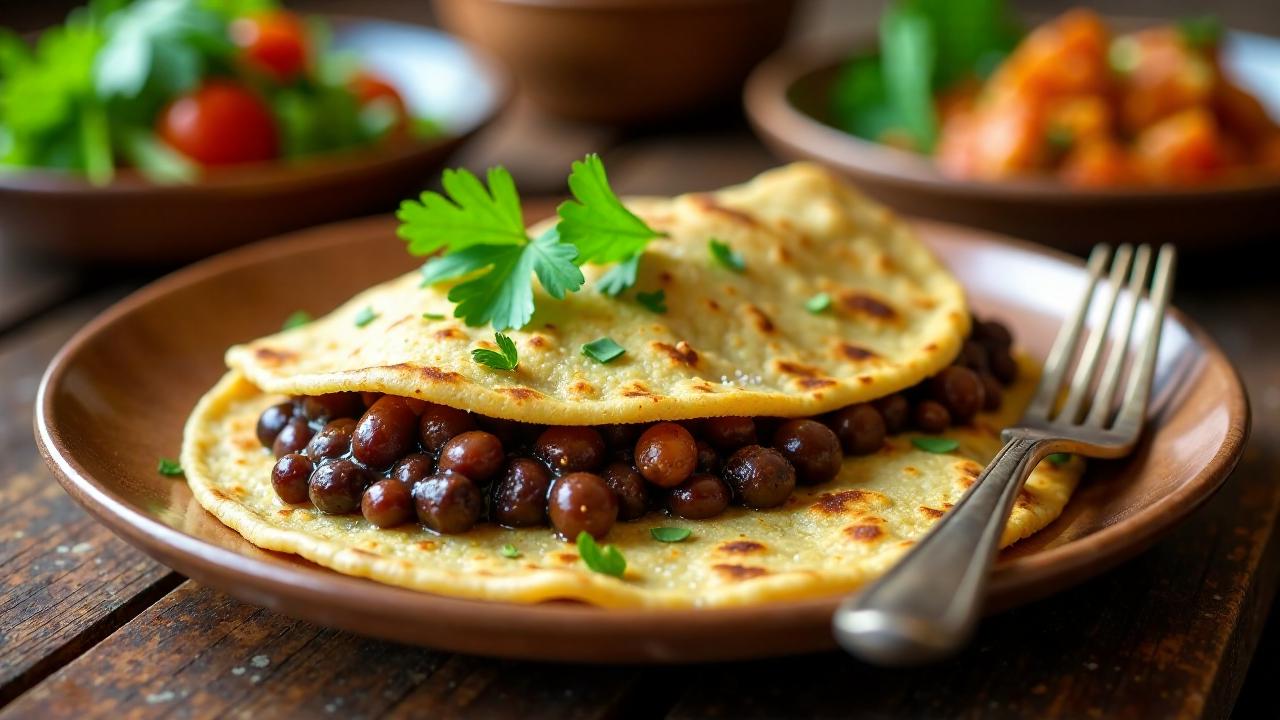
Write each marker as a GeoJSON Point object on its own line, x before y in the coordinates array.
{"type": "Point", "coordinates": [708, 203]}
{"type": "Point", "coordinates": [426, 545]}
{"type": "Point", "coordinates": [741, 547]}
{"type": "Point", "coordinates": [272, 357]}
{"type": "Point", "coordinates": [665, 277]}
{"type": "Point", "coordinates": [855, 352]}
{"type": "Point", "coordinates": [863, 304]}
{"type": "Point", "coordinates": [449, 333]}
{"type": "Point", "coordinates": [567, 557]}
{"type": "Point", "coordinates": [219, 494]}
{"type": "Point", "coordinates": [435, 374]}
{"type": "Point", "coordinates": [365, 553]}
{"type": "Point", "coordinates": [788, 367]}
{"type": "Point", "coordinates": [285, 512]}
{"type": "Point", "coordinates": [637, 389]}
{"type": "Point", "coordinates": [738, 572]}
{"type": "Point", "coordinates": [846, 501]}
{"type": "Point", "coordinates": [760, 319]}
{"type": "Point", "coordinates": [863, 533]}
{"type": "Point", "coordinates": [538, 342]}
{"type": "Point", "coordinates": [1025, 499]}
{"type": "Point", "coordinates": [681, 353]}
{"type": "Point", "coordinates": [931, 347]}
{"type": "Point", "coordinates": [866, 379]}
{"type": "Point", "coordinates": [702, 386]}
{"type": "Point", "coordinates": [712, 305]}
{"type": "Point", "coordinates": [932, 513]}
{"type": "Point", "coordinates": [582, 387]}
{"type": "Point", "coordinates": [520, 393]}
{"type": "Point", "coordinates": [815, 383]}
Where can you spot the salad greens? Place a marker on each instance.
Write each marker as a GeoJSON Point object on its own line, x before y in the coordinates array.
{"type": "Point", "coordinates": [85, 97]}
{"type": "Point", "coordinates": [925, 46]}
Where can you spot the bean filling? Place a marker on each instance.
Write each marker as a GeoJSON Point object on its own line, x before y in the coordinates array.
{"type": "Point", "coordinates": [396, 460]}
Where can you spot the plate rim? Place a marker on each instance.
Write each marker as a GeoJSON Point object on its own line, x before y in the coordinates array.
{"type": "Point", "coordinates": [263, 583]}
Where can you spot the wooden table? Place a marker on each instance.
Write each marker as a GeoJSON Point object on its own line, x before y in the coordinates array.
{"type": "Point", "coordinates": [91, 626]}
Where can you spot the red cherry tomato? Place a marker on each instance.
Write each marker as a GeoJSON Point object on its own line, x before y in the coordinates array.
{"type": "Point", "coordinates": [274, 41]}
{"type": "Point", "coordinates": [369, 88]}
{"type": "Point", "coordinates": [220, 123]}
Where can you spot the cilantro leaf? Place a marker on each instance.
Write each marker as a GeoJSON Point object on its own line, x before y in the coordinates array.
{"type": "Point", "coordinates": [169, 467]}
{"type": "Point", "coordinates": [365, 316]}
{"type": "Point", "coordinates": [455, 265]}
{"type": "Point", "coordinates": [506, 358]}
{"type": "Point", "coordinates": [297, 319]}
{"type": "Point", "coordinates": [1059, 458]}
{"type": "Point", "coordinates": [510, 551]}
{"type": "Point", "coordinates": [432, 316]}
{"type": "Point", "coordinates": [655, 301]}
{"type": "Point", "coordinates": [469, 216]}
{"type": "Point", "coordinates": [726, 256]}
{"type": "Point", "coordinates": [935, 444]}
{"type": "Point", "coordinates": [503, 296]}
{"type": "Point", "coordinates": [1201, 33]}
{"type": "Point", "coordinates": [670, 534]}
{"type": "Point", "coordinates": [603, 230]}
{"type": "Point", "coordinates": [606, 560]}
{"type": "Point", "coordinates": [818, 303]}
{"type": "Point", "coordinates": [603, 350]}
{"type": "Point", "coordinates": [165, 45]}
{"type": "Point", "coordinates": [620, 277]}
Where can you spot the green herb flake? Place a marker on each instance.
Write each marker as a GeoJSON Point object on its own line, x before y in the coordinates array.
{"type": "Point", "coordinates": [606, 560]}
{"type": "Point", "coordinates": [510, 551]}
{"type": "Point", "coordinates": [1060, 139]}
{"type": "Point", "coordinates": [935, 444]}
{"type": "Point", "coordinates": [365, 316]}
{"type": "Point", "coordinates": [432, 316]}
{"type": "Point", "coordinates": [506, 358]}
{"type": "Point", "coordinates": [726, 256]}
{"type": "Point", "coordinates": [297, 319]}
{"type": "Point", "coordinates": [670, 534]}
{"type": "Point", "coordinates": [169, 467]}
{"type": "Point", "coordinates": [818, 303]}
{"type": "Point", "coordinates": [1201, 33]}
{"type": "Point", "coordinates": [1059, 458]}
{"type": "Point", "coordinates": [603, 350]}
{"type": "Point", "coordinates": [655, 302]}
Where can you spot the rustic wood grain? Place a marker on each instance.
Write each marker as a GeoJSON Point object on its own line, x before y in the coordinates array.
{"type": "Point", "coordinates": [65, 580]}
{"type": "Point", "coordinates": [29, 285]}
{"type": "Point", "coordinates": [199, 653]}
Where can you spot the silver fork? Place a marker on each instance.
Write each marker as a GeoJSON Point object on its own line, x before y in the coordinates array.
{"type": "Point", "coordinates": [926, 607]}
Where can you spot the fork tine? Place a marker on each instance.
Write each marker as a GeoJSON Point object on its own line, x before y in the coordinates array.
{"type": "Point", "coordinates": [1064, 346]}
{"type": "Point", "coordinates": [1134, 409]}
{"type": "Point", "coordinates": [1105, 400]}
{"type": "Point", "coordinates": [1087, 366]}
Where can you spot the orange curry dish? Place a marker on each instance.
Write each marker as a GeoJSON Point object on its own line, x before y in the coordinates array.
{"type": "Point", "coordinates": [1153, 107]}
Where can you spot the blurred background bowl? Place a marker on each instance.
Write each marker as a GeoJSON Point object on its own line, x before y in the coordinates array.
{"type": "Point", "coordinates": [136, 222]}
{"type": "Point", "coordinates": [787, 101]}
{"type": "Point", "coordinates": [623, 61]}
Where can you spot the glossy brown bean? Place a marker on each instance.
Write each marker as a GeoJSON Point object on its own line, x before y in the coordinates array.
{"type": "Point", "coordinates": [708, 458]}
{"type": "Point", "coordinates": [567, 449]}
{"type": "Point", "coordinates": [992, 393]}
{"type": "Point", "coordinates": [448, 502]}
{"type": "Point", "coordinates": [700, 497]}
{"type": "Point", "coordinates": [293, 438]}
{"type": "Point", "coordinates": [333, 441]}
{"type": "Point", "coordinates": [387, 503]}
{"type": "Point", "coordinates": [760, 477]}
{"type": "Point", "coordinates": [413, 469]}
{"type": "Point", "coordinates": [860, 429]}
{"type": "Point", "coordinates": [289, 477]}
{"type": "Point", "coordinates": [385, 433]}
{"type": "Point", "coordinates": [895, 411]}
{"type": "Point", "coordinates": [336, 486]}
{"type": "Point", "coordinates": [323, 408]}
{"type": "Point", "coordinates": [628, 484]}
{"type": "Point", "coordinates": [960, 390]}
{"type": "Point", "coordinates": [727, 434]}
{"type": "Point", "coordinates": [477, 454]}
{"type": "Point", "coordinates": [272, 421]}
{"type": "Point", "coordinates": [931, 416]}
{"type": "Point", "coordinates": [520, 494]}
{"type": "Point", "coordinates": [581, 502]}
{"type": "Point", "coordinates": [438, 424]}
{"type": "Point", "coordinates": [811, 448]}
{"type": "Point", "coordinates": [666, 454]}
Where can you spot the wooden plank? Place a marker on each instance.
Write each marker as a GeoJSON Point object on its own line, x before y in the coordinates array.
{"type": "Point", "coordinates": [66, 581]}
{"type": "Point", "coordinates": [30, 285]}
{"type": "Point", "coordinates": [199, 653]}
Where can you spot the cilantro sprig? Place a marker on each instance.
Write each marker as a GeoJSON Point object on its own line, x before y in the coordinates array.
{"type": "Point", "coordinates": [506, 358]}
{"type": "Point", "coordinates": [606, 560]}
{"type": "Point", "coordinates": [484, 246]}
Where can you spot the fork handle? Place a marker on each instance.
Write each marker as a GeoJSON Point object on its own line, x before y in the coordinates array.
{"type": "Point", "coordinates": [927, 605]}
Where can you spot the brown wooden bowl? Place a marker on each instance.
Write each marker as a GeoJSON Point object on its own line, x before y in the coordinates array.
{"type": "Point", "coordinates": [115, 398]}
{"type": "Point", "coordinates": [623, 61]}
{"type": "Point", "coordinates": [134, 221]}
{"type": "Point", "coordinates": [787, 102]}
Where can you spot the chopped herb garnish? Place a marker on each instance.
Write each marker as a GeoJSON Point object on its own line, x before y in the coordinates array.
{"type": "Point", "coordinates": [365, 316]}
{"type": "Point", "coordinates": [606, 560]}
{"type": "Point", "coordinates": [510, 551]}
{"type": "Point", "coordinates": [169, 467]}
{"type": "Point", "coordinates": [669, 534]}
{"type": "Point", "coordinates": [505, 359]}
{"type": "Point", "coordinates": [1059, 458]}
{"type": "Point", "coordinates": [432, 316]}
{"type": "Point", "coordinates": [935, 444]}
{"type": "Point", "coordinates": [818, 303]}
{"type": "Point", "coordinates": [297, 319]}
{"type": "Point", "coordinates": [484, 240]}
{"type": "Point", "coordinates": [655, 301]}
{"type": "Point", "coordinates": [603, 350]}
{"type": "Point", "coordinates": [726, 256]}
{"type": "Point", "coordinates": [1201, 33]}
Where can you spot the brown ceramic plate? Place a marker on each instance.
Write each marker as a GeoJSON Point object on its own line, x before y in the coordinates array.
{"type": "Point", "coordinates": [134, 221]}
{"type": "Point", "coordinates": [788, 99]}
{"type": "Point", "coordinates": [115, 398]}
